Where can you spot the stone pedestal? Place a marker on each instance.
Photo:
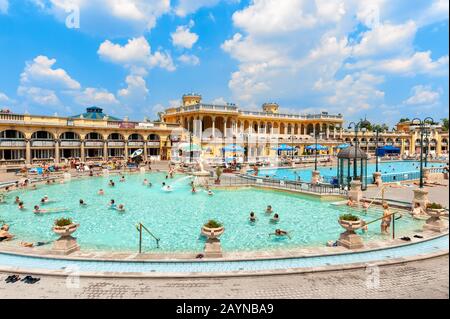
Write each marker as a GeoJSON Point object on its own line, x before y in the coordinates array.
{"type": "Point", "coordinates": [349, 239]}
{"type": "Point", "coordinates": [435, 223]}
{"type": "Point", "coordinates": [377, 179]}
{"type": "Point", "coordinates": [421, 197]}
{"type": "Point", "coordinates": [66, 244]}
{"type": "Point", "coordinates": [315, 177]}
{"type": "Point", "coordinates": [355, 192]}
{"type": "Point", "coordinates": [213, 248]}
{"type": "Point", "coordinates": [201, 179]}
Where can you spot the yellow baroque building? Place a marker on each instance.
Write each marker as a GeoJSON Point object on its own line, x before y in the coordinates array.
{"type": "Point", "coordinates": [91, 136]}
{"type": "Point", "coordinates": [95, 136]}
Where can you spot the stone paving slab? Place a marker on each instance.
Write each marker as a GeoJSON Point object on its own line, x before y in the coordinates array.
{"type": "Point", "coordinates": [423, 279]}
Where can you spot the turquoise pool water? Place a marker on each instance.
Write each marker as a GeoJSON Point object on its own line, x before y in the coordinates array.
{"type": "Point", "coordinates": [394, 167]}
{"type": "Point", "coordinates": [426, 247]}
{"type": "Point", "coordinates": [176, 217]}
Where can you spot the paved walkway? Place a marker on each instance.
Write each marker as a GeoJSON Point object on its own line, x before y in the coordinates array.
{"type": "Point", "coordinates": [438, 194]}
{"type": "Point", "coordinates": [419, 279]}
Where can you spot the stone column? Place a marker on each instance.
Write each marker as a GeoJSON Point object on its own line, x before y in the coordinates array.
{"type": "Point", "coordinates": [82, 153]}
{"type": "Point", "coordinates": [334, 131]}
{"type": "Point", "coordinates": [145, 151]}
{"type": "Point", "coordinates": [126, 150]}
{"type": "Point", "coordinates": [328, 131]}
{"type": "Point", "coordinates": [105, 150]}
{"type": "Point", "coordinates": [213, 127]}
{"type": "Point", "coordinates": [28, 151]}
{"type": "Point", "coordinates": [426, 175]}
{"type": "Point", "coordinates": [57, 157]}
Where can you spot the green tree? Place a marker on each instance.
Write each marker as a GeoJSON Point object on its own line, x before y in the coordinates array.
{"type": "Point", "coordinates": [445, 124]}
{"type": "Point", "coordinates": [404, 120]}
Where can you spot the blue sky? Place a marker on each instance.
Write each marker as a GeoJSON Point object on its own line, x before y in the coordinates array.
{"type": "Point", "coordinates": [381, 59]}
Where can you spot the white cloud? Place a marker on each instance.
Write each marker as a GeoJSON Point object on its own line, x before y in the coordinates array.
{"type": "Point", "coordinates": [4, 4]}
{"type": "Point", "coordinates": [118, 17]}
{"type": "Point", "coordinates": [183, 37]}
{"type": "Point", "coordinates": [423, 95]}
{"type": "Point", "coordinates": [386, 38]}
{"type": "Point", "coordinates": [41, 72]}
{"type": "Point", "coordinates": [40, 96]}
{"type": "Point", "coordinates": [98, 97]}
{"type": "Point", "coordinates": [4, 98]}
{"type": "Point", "coordinates": [136, 54]}
{"type": "Point", "coordinates": [219, 101]}
{"type": "Point", "coordinates": [186, 7]}
{"type": "Point", "coordinates": [418, 63]}
{"type": "Point", "coordinates": [189, 59]}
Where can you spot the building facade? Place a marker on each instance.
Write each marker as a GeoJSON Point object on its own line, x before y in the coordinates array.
{"type": "Point", "coordinates": [91, 136]}
{"type": "Point", "coordinates": [95, 136]}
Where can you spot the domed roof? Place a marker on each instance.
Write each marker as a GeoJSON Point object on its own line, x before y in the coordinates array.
{"type": "Point", "coordinates": [95, 113]}
{"type": "Point", "coordinates": [349, 153]}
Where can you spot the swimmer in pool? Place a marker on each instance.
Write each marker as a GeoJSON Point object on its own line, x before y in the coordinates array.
{"type": "Point", "coordinates": [38, 210]}
{"type": "Point", "coordinates": [145, 182]}
{"type": "Point", "coordinates": [101, 192]}
{"type": "Point", "coordinates": [281, 233]}
{"type": "Point", "coordinates": [210, 193]}
{"type": "Point", "coordinates": [269, 210]}
{"type": "Point", "coordinates": [17, 201]}
{"type": "Point", "coordinates": [111, 183]}
{"type": "Point", "coordinates": [252, 217]}
{"type": "Point", "coordinates": [21, 206]}
{"type": "Point", "coordinates": [82, 203]}
{"type": "Point", "coordinates": [150, 184]}
{"type": "Point", "coordinates": [122, 179]}
{"type": "Point", "coordinates": [275, 219]}
{"type": "Point", "coordinates": [193, 190]}
{"type": "Point", "coordinates": [120, 208]}
{"type": "Point", "coordinates": [112, 204]}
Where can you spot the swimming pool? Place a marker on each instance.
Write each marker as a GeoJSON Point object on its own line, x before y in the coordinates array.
{"type": "Point", "coordinates": [176, 217]}
{"type": "Point", "coordinates": [411, 168]}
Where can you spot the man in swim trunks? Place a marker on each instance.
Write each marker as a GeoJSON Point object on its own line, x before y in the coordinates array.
{"type": "Point", "coordinates": [281, 233]}
{"type": "Point", "coordinates": [386, 220]}
{"type": "Point", "coordinates": [269, 210]}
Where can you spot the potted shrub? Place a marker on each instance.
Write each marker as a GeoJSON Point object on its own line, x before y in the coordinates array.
{"type": "Point", "coordinates": [435, 223]}
{"type": "Point", "coordinates": [213, 229]}
{"type": "Point", "coordinates": [350, 222]}
{"type": "Point", "coordinates": [218, 173]}
{"type": "Point", "coordinates": [64, 227]}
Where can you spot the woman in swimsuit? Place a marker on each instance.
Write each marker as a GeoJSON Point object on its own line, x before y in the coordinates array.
{"type": "Point", "coordinates": [4, 233]}
{"type": "Point", "coordinates": [386, 220]}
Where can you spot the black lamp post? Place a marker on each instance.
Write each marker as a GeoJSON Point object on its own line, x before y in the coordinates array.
{"type": "Point", "coordinates": [427, 143]}
{"type": "Point", "coordinates": [316, 136]}
{"type": "Point", "coordinates": [292, 147]}
{"type": "Point", "coordinates": [377, 131]}
{"type": "Point", "coordinates": [422, 130]}
{"type": "Point", "coordinates": [190, 147]}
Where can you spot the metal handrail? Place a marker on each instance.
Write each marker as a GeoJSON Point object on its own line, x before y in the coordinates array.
{"type": "Point", "coordinates": [377, 219]}
{"type": "Point", "coordinates": [139, 228]}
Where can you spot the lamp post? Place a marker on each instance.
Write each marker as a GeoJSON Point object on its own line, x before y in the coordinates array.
{"type": "Point", "coordinates": [190, 147]}
{"type": "Point", "coordinates": [377, 131]}
{"type": "Point", "coordinates": [422, 129]}
{"type": "Point", "coordinates": [427, 143]}
{"type": "Point", "coordinates": [316, 137]}
{"type": "Point", "coordinates": [292, 147]}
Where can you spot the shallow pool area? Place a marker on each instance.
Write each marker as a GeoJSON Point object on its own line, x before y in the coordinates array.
{"type": "Point", "coordinates": [64, 266]}
{"type": "Point", "coordinates": [176, 217]}
{"type": "Point", "coordinates": [410, 168]}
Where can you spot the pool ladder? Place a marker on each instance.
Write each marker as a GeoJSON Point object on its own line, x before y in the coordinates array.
{"type": "Point", "coordinates": [140, 227]}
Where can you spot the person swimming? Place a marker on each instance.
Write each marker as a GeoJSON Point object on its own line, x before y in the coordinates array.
{"type": "Point", "coordinates": [111, 183]}
{"type": "Point", "coordinates": [21, 206]}
{"type": "Point", "coordinates": [167, 188]}
{"type": "Point", "coordinates": [145, 182]}
{"type": "Point", "coordinates": [17, 201]}
{"type": "Point", "coordinates": [275, 218]}
{"type": "Point", "coordinates": [210, 193]}
{"type": "Point", "coordinates": [122, 179]}
{"type": "Point", "coordinates": [82, 203]}
{"type": "Point", "coordinates": [38, 210]}
{"type": "Point", "coordinates": [150, 184]}
{"type": "Point", "coordinates": [112, 204]}
{"type": "Point", "coordinates": [101, 192]}
{"type": "Point", "coordinates": [269, 210]}
{"type": "Point", "coordinates": [280, 233]}
{"type": "Point", "coordinates": [37, 244]}
{"type": "Point", "coordinates": [252, 217]}
{"type": "Point", "coordinates": [120, 208]}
